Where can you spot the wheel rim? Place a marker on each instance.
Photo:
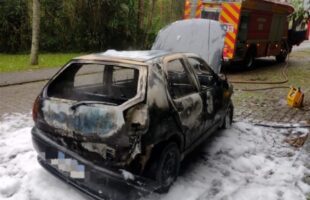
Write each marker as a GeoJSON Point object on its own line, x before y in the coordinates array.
{"type": "Point", "coordinates": [169, 168]}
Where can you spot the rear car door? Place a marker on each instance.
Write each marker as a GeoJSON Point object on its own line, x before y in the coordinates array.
{"type": "Point", "coordinates": [186, 101]}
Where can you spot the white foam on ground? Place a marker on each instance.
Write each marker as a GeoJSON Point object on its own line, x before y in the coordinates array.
{"type": "Point", "coordinates": [243, 163]}
{"type": "Point", "coordinates": [21, 177]}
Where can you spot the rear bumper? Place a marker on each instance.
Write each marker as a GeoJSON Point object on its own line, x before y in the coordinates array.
{"type": "Point", "coordinates": [96, 181]}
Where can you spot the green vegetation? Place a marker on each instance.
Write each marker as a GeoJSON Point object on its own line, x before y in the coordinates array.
{"type": "Point", "coordinates": [83, 25]}
{"type": "Point", "coordinates": [80, 26]}
{"type": "Point", "coordinates": [20, 62]}
{"type": "Point", "coordinates": [299, 19]}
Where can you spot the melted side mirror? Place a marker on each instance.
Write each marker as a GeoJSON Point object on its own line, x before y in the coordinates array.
{"type": "Point", "coordinates": [222, 77]}
{"type": "Point", "coordinates": [224, 80]}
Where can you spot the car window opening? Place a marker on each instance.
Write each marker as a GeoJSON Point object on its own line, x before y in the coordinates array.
{"type": "Point", "coordinates": [95, 82]}
{"type": "Point", "coordinates": [179, 83]}
{"type": "Point", "coordinates": [204, 73]}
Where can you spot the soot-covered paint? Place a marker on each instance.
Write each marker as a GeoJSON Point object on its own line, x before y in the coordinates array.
{"type": "Point", "coordinates": [157, 94]}
{"type": "Point", "coordinates": [124, 136]}
{"type": "Point", "coordinates": [192, 115]}
{"type": "Point", "coordinates": [87, 120]}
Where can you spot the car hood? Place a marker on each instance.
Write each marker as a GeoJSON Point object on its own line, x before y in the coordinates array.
{"type": "Point", "coordinates": [200, 36]}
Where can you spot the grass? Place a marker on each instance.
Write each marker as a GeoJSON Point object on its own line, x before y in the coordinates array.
{"type": "Point", "coordinates": [21, 62]}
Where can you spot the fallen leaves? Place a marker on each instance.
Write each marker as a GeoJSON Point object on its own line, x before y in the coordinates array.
{"type": "Point", "coordinates": [297, 141]}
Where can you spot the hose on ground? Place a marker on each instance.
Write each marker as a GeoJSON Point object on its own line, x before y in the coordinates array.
{"type": "Point", "coordinates": [283, 73]}
{"type": "Point", "coordinates": [282, 126]}
{"type": "Point", "coordinates": [279, 126]}
{"type": "Point", "coordinates": [266, 88]}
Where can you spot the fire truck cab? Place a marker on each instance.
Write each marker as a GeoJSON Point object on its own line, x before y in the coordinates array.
{"type": "Point", "coordinates": [255, 28]}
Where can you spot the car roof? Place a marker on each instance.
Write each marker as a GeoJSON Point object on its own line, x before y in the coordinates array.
{"type": "Point", "coordinates": [131, 56]}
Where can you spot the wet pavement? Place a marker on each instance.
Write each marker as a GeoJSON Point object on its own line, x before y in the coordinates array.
{"type": "Point", "coordinates": [15, 78]}
{"type": "Point", "coordinates": [19, 98]}
{"type": "Point", "coordinates": [270, 105]}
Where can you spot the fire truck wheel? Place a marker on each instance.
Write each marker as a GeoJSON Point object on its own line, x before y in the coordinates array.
{"type": "Point", "coordinates": [249, 59]}
{"type": "Point", "coordinates": [281, 57]}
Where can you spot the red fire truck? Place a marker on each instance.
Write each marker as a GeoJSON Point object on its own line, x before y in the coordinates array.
{"type": "Point", "coordinates": [255, 28]}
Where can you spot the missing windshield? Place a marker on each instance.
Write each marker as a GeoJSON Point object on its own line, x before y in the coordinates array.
{"type": "Point", "coordinates": [95, 82]}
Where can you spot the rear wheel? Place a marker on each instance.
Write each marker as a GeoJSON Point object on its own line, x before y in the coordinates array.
{"type": "Point", "coordinates": [248, 61]}
{"type": "Point", "coordinates": [164, 166]}
{"type": "Point", "coordinates": [282, 56]}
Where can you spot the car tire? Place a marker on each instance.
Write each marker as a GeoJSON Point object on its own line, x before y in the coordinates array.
{"type": "Point", "coordinates": [227, 120]}
{"type": "Point", "coordinates": [164, 166]}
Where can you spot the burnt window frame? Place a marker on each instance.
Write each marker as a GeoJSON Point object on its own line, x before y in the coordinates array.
{"type": "Point", "coordinates": [202, 62]}
{"type": "Point", "coordinates": [189, 73]}
{"type": "Point", "coordinates": [141, 84]}
{"type": "Point", "coordinates": [211, 75]}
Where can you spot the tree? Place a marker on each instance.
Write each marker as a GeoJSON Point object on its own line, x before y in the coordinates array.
{"type": "Point", "coordinates": [300, 17]}
{"type": "Point", "coordinates": [35, 32]}
{"type": "Point", "coordinates": [140, 14]}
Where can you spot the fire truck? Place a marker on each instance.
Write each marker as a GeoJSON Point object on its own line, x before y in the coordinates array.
{"type": "Point", "coordinates": [255, 28]}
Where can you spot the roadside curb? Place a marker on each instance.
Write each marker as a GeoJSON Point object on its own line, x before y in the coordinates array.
{"type": "Point", "coordinates": [18, 78]}
{"type": "Point", "coordinates": [20, 83]}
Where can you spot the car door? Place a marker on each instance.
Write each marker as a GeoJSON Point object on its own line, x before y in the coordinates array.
{"type": "Point", "coordinates": [211, 90]}
{"type": "Point", "coordinates": [185, 99]}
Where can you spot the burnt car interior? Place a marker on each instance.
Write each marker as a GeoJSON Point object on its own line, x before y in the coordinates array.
{"type": "Point", "coordinates": [179, 84]}
{"type": "Point", "coordinates": [95, 82]}
{"type": "Point", "coordinates": [205, 75]}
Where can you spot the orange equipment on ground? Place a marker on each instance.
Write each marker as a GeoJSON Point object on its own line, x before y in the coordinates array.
{"type": "Point", "coordinates": [255, 28]}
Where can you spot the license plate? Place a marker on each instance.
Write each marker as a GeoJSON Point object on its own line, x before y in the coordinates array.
{"type": "Point", "coordinates": [68, 166]}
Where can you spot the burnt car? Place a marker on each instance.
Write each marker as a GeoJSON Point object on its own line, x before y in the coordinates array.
{"type": "Point", "coordinates": [121, 121]}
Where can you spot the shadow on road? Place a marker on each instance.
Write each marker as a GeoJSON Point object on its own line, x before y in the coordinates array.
{"type": "Point", "coordinates": [260, 64]}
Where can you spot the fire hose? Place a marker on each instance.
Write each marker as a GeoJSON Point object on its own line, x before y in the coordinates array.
{"type": "Point", "coordinates": [283, 81]}
{"type": "Point", "coordinates": [284, 76]}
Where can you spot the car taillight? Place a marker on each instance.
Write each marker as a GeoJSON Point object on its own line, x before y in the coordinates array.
{"type": "Point", "coordinates": [35, 109]}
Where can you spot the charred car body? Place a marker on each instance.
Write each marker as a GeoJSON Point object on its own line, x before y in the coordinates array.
{"type": "Point", "coordinates": [105, 114]}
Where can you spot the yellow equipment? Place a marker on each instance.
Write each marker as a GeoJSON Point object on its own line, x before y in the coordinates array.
{"type": "Point", "coordinates": [295, 97]}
